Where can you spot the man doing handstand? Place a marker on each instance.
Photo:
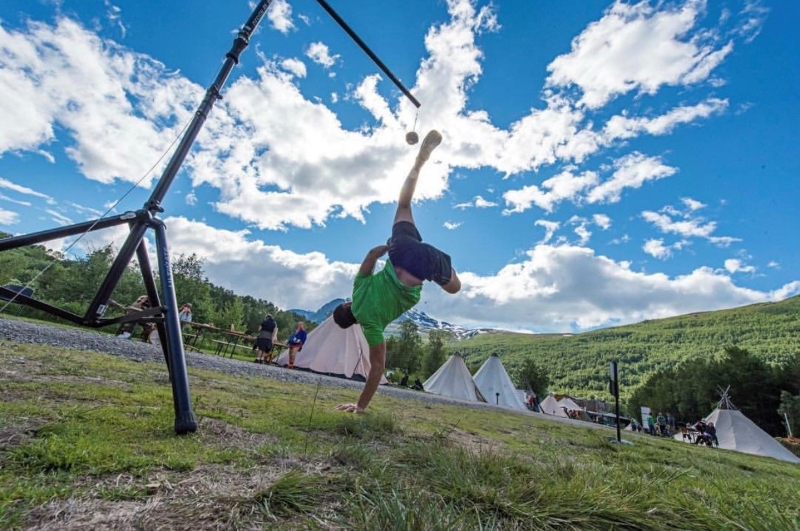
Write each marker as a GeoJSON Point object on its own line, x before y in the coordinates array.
{"type": "Point", "coordinates": [380, 298]}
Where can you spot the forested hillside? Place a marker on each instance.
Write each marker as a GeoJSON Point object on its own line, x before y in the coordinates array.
{"type": "Point", "coordinates": [578, 363]}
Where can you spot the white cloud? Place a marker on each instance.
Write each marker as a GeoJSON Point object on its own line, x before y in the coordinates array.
{"type": "Point", "coordinates": [262, 150]}
{"type": "Point", "coordinates": [294, 66]}
{"type": "Point", "coordinates": [451, 225]}
{"type": "Point", "coordinates": [15, 201]}
{"type": "Point", "coordinates": [696, 227]}
{"type": "Point", "coordinates": [670, 220]}
{"type": "Point", "coordinates": [7, 217]}
{"type": "Point", "coordinates": [58, 217]}
{"type": "Point", "coordinates": [564, 186]}
{"type": "Point", "coordinates": [233, 259]}
{"type": "Point", "coordinates": [280, 16]}
{"type": "Point", "coordinates": [477, 202]}
{"type": "Point", "coordinates": [550, 228]}
{"type": "Point", "coordinates": [191, 198]}
{"type": "Point", "coordinates": [631, 171]}
{"type": "Point", "coordinates": [657, 249]}
{"type": "Point", "coordinates": [320, 54]}
{"type": "Point", "coordinates": [733, 265]}
{"type": "Point", "coordinates": [692, 204]}
{"type": "Point", "coordinates": [602, 221]}
{"type": "Point", "coordinates": [480, 202]}
{"type": "Point", "coordinates": [638, 47]}
{"type": "Point", "coordinates": [14, 187]}
{"type": "Point", "coordinates": [570, 288]}
{"type": "Point", "coordinates": [622, 127]}
{"type": "Point", "coordinates": [131, 97]}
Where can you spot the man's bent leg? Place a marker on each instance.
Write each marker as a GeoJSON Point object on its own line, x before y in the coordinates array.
{"type": "Point", "coordinates": [403, 213]}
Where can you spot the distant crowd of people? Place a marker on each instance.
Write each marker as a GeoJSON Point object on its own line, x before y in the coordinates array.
{"type": "Point", "coordinates": [268, 337]}
{"type": "Point", "coordinates": [264, 345]}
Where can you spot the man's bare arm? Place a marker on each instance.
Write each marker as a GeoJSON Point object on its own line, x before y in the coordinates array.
{"type": "Point", "coordinates": [368, 265]}
{"type": "Point", "coordinates": [377, 361]}
{"type": "Point", "coordinates": [454, 285]}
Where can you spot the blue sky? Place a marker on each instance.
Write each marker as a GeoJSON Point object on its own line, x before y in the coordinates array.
{"type": "Point", "coordinates": [603, 162]}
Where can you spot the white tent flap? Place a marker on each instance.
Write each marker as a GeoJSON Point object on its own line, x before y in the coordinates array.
{"type": "Point", "coordinates": [332, 350]}
{"type": "Point", "coordinates": [454, 380]}
{"type": "Point", "coordinates": [496, 386]}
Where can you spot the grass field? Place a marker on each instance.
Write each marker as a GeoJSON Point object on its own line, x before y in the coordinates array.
{"type": "Point", "coordinates": [86, 442]}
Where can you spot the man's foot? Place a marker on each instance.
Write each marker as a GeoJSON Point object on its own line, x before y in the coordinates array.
{"type": "Point", "coordinates": [432, 139]}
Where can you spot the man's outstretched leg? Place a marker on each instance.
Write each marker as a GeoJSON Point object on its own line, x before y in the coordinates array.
{"type": "Point", "coordinates": [403, 213]}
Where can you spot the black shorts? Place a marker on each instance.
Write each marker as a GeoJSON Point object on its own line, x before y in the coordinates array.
{"type": "Point", "coordinates": [264, 344]}
{"type": "Point", "coordinates": [422, 260]}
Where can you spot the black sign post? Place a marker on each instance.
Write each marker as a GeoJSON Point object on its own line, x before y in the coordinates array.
{"type": "Point", "coordinates": [614, 388]}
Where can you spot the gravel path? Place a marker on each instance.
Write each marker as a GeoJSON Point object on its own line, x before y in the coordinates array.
{"type": "Point", "coordinates": [87, 339]}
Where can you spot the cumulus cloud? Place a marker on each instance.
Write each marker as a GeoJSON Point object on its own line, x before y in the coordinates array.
{"type": "Point", "coordinates": [631, 171]}
{"type": "Point", "coordinates": [233, 258]}
{"type": "Point", "coordinates": [667, 52]}
{"type": "Point", "coordinates": [279, 15]}
{"type": "Point", "coordinates": [320, 54]}
{"type": "Point", "coordinates": [571, 288]}
{"type": "Point", "coordinates": [477, 202]}
{"type": "Point", "coordinates": [294, 66]}
{"type": "Point", "coordinates": [564, 186]}
{"type": "Point", "coordinates": [268, 144]}
{"type": "Point", "coordinates": [685, 223]}
{"type": "Point", "coordinates": [7, 217]}
{"type": "Point", "coordinates": [656, 248]}
{"type": "Point", "coordinates": [734, 265]}
{"type": "Point", "coordinates": [602, 221]}
{"type": "Point", "coordinates": [550, 228]}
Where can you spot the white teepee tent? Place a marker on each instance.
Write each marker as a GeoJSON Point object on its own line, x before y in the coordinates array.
{"type": "Point", "coordinates": [332, 350]}
{"type": "Point", "coordinates": [496, 386]}
{"type": "Point", "coordinates": [570, 404]}
{"type": "Point", "coordinates": [454, 380]}
{"type": "Point", "coordinates": [550, 406]}
{"type": "Point", "coordinates": [739, 433]}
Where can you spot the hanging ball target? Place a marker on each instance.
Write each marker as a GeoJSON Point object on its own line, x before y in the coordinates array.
{"type": "Point", "coordinates": [412, 137]}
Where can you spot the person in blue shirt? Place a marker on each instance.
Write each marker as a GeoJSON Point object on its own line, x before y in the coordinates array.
{"type": "Point", "coordinates": [296, 342]}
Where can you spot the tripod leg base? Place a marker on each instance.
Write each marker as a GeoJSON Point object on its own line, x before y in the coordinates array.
{"type": "Point", "coordinates": [185, 423]}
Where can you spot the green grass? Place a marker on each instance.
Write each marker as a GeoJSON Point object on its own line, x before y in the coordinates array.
{"type": "Point", "coordinates": [87, 442]}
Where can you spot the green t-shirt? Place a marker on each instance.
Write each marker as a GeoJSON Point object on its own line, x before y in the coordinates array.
{"type": "Point", "coordinates": [380, 298]}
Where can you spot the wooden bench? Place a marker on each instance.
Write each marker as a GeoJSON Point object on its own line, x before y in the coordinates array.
{"type": "Point", "coordinates": [223, 346]}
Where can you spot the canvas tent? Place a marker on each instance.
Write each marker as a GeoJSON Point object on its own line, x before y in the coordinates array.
{"type": "Point", "coordinates": [454, 380]}
{"type": "Point", "coordinates": [550, 406]}
{"type": "Point", "coordinates": [332, 350]}
{"type": "Point", "coordinates": [570, 404]}
{"type": "Point", "coordinates": [739, 433]}
{"type": "Point", "coordinates": [496, 386]}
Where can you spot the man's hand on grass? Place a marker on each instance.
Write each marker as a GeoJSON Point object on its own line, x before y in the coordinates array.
{"type": "Point", "coordinates": [350, 408]}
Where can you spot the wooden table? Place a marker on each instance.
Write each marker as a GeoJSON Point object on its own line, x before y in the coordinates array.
{"type": "Point", "coordinates": [223, 346]}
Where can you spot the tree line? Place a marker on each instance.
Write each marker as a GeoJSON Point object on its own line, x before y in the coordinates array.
{"type": "Point", "coordinates": [70, 283]}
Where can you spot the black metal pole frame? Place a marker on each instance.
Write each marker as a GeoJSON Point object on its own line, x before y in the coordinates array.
{"type": "Point", "coordinates": [163, 312]}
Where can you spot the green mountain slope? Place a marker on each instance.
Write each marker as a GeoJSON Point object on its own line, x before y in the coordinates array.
{"type": "Point", "coordinates": [578, 363]}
